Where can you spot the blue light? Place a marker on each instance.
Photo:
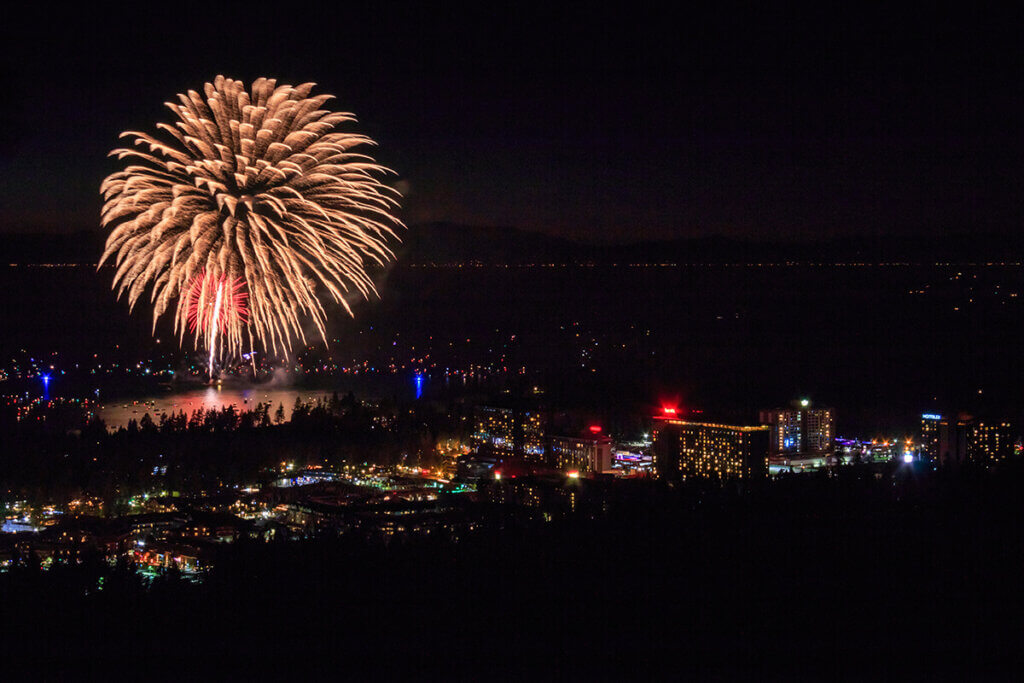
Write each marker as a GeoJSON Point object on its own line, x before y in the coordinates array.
{"type": "Point", "coordinates": [417, 380]}
{"type": "Point", "coordinates": [931, 416]}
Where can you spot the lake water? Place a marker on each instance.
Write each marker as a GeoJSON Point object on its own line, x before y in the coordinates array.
{"type": "Point", "coordinates": [117, 415]}
{"type": "Point", "coordinates": [881, 344]}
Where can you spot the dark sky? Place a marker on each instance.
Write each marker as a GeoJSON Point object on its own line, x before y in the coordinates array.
{"type": "Point", "coordinates": [604, 125]}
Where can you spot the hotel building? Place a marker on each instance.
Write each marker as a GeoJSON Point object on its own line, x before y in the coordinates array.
{"type": "Point", "coordinates": [704, 450]}
{"type": "Point", "coordinates": [591, 452]}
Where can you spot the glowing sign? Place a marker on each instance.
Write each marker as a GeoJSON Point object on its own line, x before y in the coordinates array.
{"type": "Point", "coordinates": [595, 429]}
{"type": "Point", "coordinates": [931, 416]}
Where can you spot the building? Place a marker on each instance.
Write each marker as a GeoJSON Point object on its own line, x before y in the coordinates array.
{"type": "Point", "coordinates": [930, 428]}
{"type": "Point", "coordinates": [633, 458]}
{"type": "Point", "coordinates": [551, 496]}
{"type": "Point", "coordinates": [945, 439]}
{"type": "Point", "coordinates": [510, 432]}
{"type": "Point", "coordinates": [703, 450]}
{"type": "Point", "coordinates": [531, 428]}
{"type": "Point", "coordinates": [799, 462]}
{"type": "Point", "coordinates": [991, 441]}
{"type": "Point", "coordinates": [954, 439]}
{"type": "Point", "coordinates": [494, 428]}
{"type": "Point", "coordinates": [800, 432]}
{"type": "Point", "coordinates": [786, 430]}
{"type": "Point", "coordinates": [589, 452]}
{"type": "Point", "coordinates": [472, 468]}
{"type": "Point", "coordinates": [187, 558]}
{"type": "Point", "coordinates": [819, 430]}
{"type": "Point", "coordinates": [852, 451]}
{"type": "Point", "coordinates": [156, 525]}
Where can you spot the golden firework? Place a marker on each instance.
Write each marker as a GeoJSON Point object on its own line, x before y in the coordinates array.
{"type": "Point", "coordinates": [255, 187]}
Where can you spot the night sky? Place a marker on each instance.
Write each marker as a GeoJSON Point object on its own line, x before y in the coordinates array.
{"type": "Point", "coordinates": [602, 125]}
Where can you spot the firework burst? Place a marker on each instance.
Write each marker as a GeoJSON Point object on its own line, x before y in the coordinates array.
{"type": "Point", "coordinates": [253, 202]}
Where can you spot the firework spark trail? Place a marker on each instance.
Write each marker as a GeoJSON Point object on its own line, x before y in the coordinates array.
{"type": "Point", "coordinates": [255, 190]}
{"type": "Point", "coordinates": [213, 324]}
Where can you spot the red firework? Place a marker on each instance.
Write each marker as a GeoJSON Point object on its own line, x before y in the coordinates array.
{"type": "Point", "coordinates": [202, 297]}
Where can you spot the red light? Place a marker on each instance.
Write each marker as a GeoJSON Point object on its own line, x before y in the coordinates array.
{"type": "Point", "coordinates": [668, 410]}
{"type": "Point", "coordinates": [595, 429]}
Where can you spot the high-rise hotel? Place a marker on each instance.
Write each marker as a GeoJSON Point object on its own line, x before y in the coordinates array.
{"type": "Point", "coordinates": [992, 441]}
{"type": "Point", "coordinates": [588, 452]}
{"type": "Point", "coordinates": [506, 431]}
{"type": "Point", "coordinates": [931, 434]}
{"type": "Point", "coordinates": [800, 430]}
{"type": "Point", "coordinates": [952, 440]}
{"type": "Point", "coordinates": [705, 450]}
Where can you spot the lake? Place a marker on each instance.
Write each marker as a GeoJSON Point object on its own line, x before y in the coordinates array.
{"type": "Point", "coordinates": [117, 415]}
